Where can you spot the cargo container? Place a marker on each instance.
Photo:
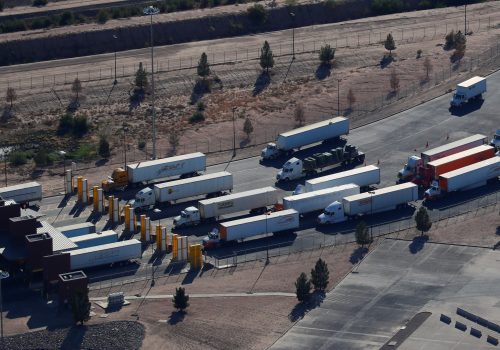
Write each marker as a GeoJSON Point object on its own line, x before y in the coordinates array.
{"type": "Point", "coordinates": [317, 200]}
{"type": "Point", "coordinates": [376, 201]}
{"type": "Point", "coordinates": [105, 254]}
{"type": "Point", "coordinates": [77, 229]}
{"type": "Point", "coordinates": [287, 142]}
{"type": "Point", "coordinates": [471, 176]}
{"type": "Point", "coordinates": [211, 185]}
{"type": "Point", "coordinates": [452, 162]}
{"type": "Point", "coordinates": [22, 193]}
{"type": "Point", "coordinates": [364, 177]}
{"type": "Point", "coordinates": [255, 200]}
{"type": "Point", "coordinates": [473, 88]}
{"type": "Point", "coordinates": [241, 229]}
{"type": "Point", "coordinates": [416, 165]}
{"type": "Point", "coordinates": [183, 166]}
{"type": "Point", "coordinates": [95, 239]}
{"type": "Point", "coordinates": [296, 168]}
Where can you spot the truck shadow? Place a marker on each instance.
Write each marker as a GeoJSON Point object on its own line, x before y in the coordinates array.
{"type": "Point", "coordinates": [469, 107]}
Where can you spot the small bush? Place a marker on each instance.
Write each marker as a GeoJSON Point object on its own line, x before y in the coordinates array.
{"type": "Point", "coordinates": [18, 158]}
{"type": "Point", "coordinates": [40, 23]}
{"type": "Point", "coordinates": [78, 126]}
{"type": "Point", "coordinates": [2, 5]}
{"type": "Point", "coordinates": [40, 2]}
{"type": "Point", "coordinates": [42, 158]}
{"type": "Point", "coordinates": [66, 123]}
{"type": "Point", "coordinates": [81, 126]}
{"type": "Point", "coordinates": [257, 14]}
{"type": "Point", "coordinates": [383, 7]}
{"type": "Point", "coordinates": [200, 106]}
{"type": "Point", "coordinates": [66, 19]}
{"type": "Point", "coordinates": [326, 54]}
{"type": "Point", "coordinates": [141, 145]}
{"type": "Point", "coordinates": [419, 53]}
{"type": "Point", "coordinates": [102, 16]}
{"type": "Point", "coordinates": [104, 148]}
{"type": "Point", "coordinates": [196, 118]}
{"type": "Point", "coordinates": [84, 151]}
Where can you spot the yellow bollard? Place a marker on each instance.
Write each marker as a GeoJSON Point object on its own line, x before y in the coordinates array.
{"type": "Point", "coordinates": [111, 200]}
{"type": "Point", "coordinates": [158, 236]}
{"type": "Point", "coordinates": [174, 246]}
{"type": "Point", "coordinates": [95, 197]}
{"type": "Point", "coordinates": [79, 186]}
{"type": "Point", "coordinates": [143, 227]}
{"type": "Point", "coordinates": [127, 217]}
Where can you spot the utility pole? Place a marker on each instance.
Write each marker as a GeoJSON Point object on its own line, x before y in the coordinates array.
{"type": "Point", "coordinates": [293, 34]}
{"type": "Point", "coordinates": [151, 10]}
{"type": "Point", "coordinates": [465, 18]}
{"type": "Point", "coordinates": [114, 46]}
{"type": "Point", "coordinates": [3, 275]}
{"type": "Point", "coordinates": [234, 134]}
{"type": "Point", "coordinates": [338, 96]}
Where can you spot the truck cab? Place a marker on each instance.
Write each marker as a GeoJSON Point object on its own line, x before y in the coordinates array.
{"type": "Point", "coordinates": [332, 214]}
{"type": "Point", "coordinates": [271, 151]}
{"type": "Point", "coordinates": [467, 90]}
{"type": "Point", "coordinates": [212, 240]}
{"type": "Point", "coordinates": [495, 141]}
{"type": "Point", "coordinates": [410, 169]}
{"type": "Point", "coordinates": [433, 192]}
{"type": "Point", "coordinates": [189, 217]}
{"type": "Point", "coordinates": [458, 99]}
{"type": "Point", "coordinates": [117, 180]}
{"type": "Point", "coordinates": [291, 170]}
{"type": "Point", "coordinates": [144, 199]}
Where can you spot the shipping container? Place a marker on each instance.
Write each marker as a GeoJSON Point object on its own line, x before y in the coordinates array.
{"type": "Point", "coordinates": [318, 200]}
{"type": "Point", "coordinates": [471, 176]}
{"type": "Point", "coordinates": [105, 254]}
{"type": "Point", "coordinates": [77, 229]}
{"type": "Point", "coordinates": [452, 148]}
{"type": "Point", "coordinates": [22, 193]}
{"type": "Point", "coordinates": [363, 177]}
{"type": "Point", "coordinates": [95, 239]}
{"type": "Point", "coordinates": [380, 200]}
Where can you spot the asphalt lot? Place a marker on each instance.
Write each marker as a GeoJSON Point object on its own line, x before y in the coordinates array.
{"type": "Point", "coordinates": [394, 283]}
{"type": "Point", "coordinates": [387, 143]}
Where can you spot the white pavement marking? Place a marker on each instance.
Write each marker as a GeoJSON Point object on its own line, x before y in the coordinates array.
{"type": "Point", "coordinates": [216, 295]}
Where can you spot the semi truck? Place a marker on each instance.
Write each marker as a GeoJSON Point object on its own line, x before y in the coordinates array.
{"type": "Point", "coordinates": [416, 164]}
{"type": "Point", "coordinates": [105, 254]}
{"type": "Point", "coordinates": [95, 239]}
{"type": "Point", "coordinates": [22, 193]}
{"type": "Point", "coordinates": [296, 168]}
{"type": "Point", "coordinates": [256, 201]}
{"type": "Point", "coordinates": [472, 176]}
{"type": "Point", "coordinates": [331, 129]}
{"type": "Point", "coordinates": [211, 185]}
{"type": "Point", "coordinates": [317, 200]}
{"type": "Point", "coordinates": [364, 177]}
{"type": "Point", "coordinates": [452, 162]}
{"type": "Point", "coordinates": [238, 230]}
{"type": "Point", "coordinates": [384, 199]}
{"type": "Point", "coordinates": [473, 88]}
{"type": "Point", "coordinates": [495, 141]}
{"type": "Point", "coordinates": [143, 173]}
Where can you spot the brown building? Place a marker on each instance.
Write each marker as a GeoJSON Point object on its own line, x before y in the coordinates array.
{"type": "Point", "coordinates": [71, 283]}
{"type": "Point", "coordinates": [37, 246]}
{"type": "Point", "coordinates": [53, 266]}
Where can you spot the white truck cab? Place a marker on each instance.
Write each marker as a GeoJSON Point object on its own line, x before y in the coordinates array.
{"type": "Point", "coordinates": [433, 192]}
{"type": "Point", "coordinates": [189, 217]}
{"type": "Point", "coordinates": [467, 90]}
{"type": "Point", "coordinates": [332, 214]}
{"type": "Point", "coordinates": [212, 240]}
{"type": "Point", "coordinates": [410, 168]}
{"type": "Point", "coordinates": [271, 151]}
{"type": "Point", "coordinates": [495, 141]}
{"type": "Point", "coordinates": [291, 170]}
{"type": "Point", "coordinates": [144, 199]}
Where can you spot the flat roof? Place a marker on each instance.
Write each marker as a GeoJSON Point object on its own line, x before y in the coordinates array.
{"type": "Point", "coordinates": [193, 179]}
{"type": "Point", "coordinates": [104, 247]}
{"type": "Point", "coordinates": [489, 161]}
{"type": "Point", "coordinates": [238, 195]}
{"type": "Point", "coordinates": [459, 155]}
{"type": "Point", "coordinates": [454, 144]}
{"type": "Point", "coordinates": [59, 241]}
{"type": "Point", "coordinates": [343, 174]}
{"type": "Point", "coordinates": [91, 236]}
{"type": "Point", "coordinates": [19, 186]}
{"type": "Point", "coordinates": [471, 81]}
{"type": "Point", "coordinates": [380, 191]}
{"type": "Point", "coordinates": [74, 226]}
{"type": "Point", "coordinates": [165, 160]}
{"type": "Point", "coordinates": [301, 196]}
{"type": "Point", "coordinates": [313, 126]}
{"type": "Point", "coordinates": [72, 275]}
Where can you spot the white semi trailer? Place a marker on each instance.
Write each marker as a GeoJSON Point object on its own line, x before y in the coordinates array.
{"type": "Point", "coordinates": [470, 89]}
{"type": "Point", "coordinates": [363, 177]}
{"type": "Point", "coordinates": [209, 209]}
{"type": "Point", "coordinates": [22, 193]}
{"type": "Point", "coordinates": [376, 201]}
{"type": "Point", "coordinates": [238, 230]}
{"type": "Point", "coordinates": [105, 254]}
{"type": "Point", "coordinates": [95, 239]}
{"type": "Point", "coordinates": [211, 185]}
{"type": "Point", "coordinates": [331, 129]}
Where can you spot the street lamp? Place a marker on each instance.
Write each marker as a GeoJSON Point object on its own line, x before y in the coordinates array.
{"type": "Point", "coordinates": [338, 96]}
{"type": "Point", "coordinates": [293, 34]}
{"type": "Point", "coordinates": [3, 275]}
{"type": "Point", "coordinates": [151, 10]}
{"type": "Point", "coordinates": [267, 250]}
{"type": "Point", "coordinates": [465, 19]}
{"type": "Point", "coordinates": [371, 213]}
{"type": "Point", "coordinates": [63, 154]}
{"type": "Point", "coordinates": [114, 46]}
{"type": "Point", "coordinates": [4, 151]}
{"type": "Point", "coordinates": [125, 129]}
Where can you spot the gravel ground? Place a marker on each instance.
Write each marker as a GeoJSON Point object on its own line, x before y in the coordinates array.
{"type": "Point", "coordinates": [112, 335]}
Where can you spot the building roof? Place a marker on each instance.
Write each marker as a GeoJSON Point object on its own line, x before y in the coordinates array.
{"type": "Point", "coordinates": [59, 241]}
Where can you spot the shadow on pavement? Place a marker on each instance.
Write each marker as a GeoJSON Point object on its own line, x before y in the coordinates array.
{"type": "Point", "coordinates": [190, 276]}
{"type": "Point", "coordinates": [469, 107]}
{"type": "Point", "coordinates": [418, 244]}
{"type": "Point", "coordinates": [300, 309]}
{"type": "Point", "coordinates": [176, 317]}
{"type": "Point", "coordinates": [358, 254]}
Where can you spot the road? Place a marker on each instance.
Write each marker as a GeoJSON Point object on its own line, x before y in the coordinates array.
{"type": "Point", "coordinates": [387, 142]}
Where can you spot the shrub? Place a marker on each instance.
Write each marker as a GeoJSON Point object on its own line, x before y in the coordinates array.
{"type": "Point", "coordinates": [2, 5]}
{"type": "Point", "coordinates": [76, 125]}
{"type": "Point", "coordinates": [42, 158]}
{"type": "Point", "coordinates": [257, 14]}
{"type": "Point", "coordinates": [102, 16]}
{"type": "Point", "coordinates": [18, 158]}
{"type": "Point", "coordinates": [196, 117]}
{"type": "Point", "coordinates": [14, 25]}
{"type": "Point", "coordinates": [419, 53]}
{"type": "Point", "coordinates": [326, 54]}
{"type": "Point", "coordinates": [200, 106]}
{"type": "Point", "coordinates": [382, 7]}
{"type": "Point", "coordinates": [66, 19]}
{"type": "Point", "coordinates": [40, 23]}
{"type": "Point", "coordinates": [81, 126]}
{"type": "Point", "coordinates": [141, 145]}
{"type": "Point", "coordinates": [66, 124]}
{"type": "Point", "coordinates": [40, 2]}
{"type": "Point", "coordinates": [104, 148]}
{"type": "Point", "coordinates": [84, 151]}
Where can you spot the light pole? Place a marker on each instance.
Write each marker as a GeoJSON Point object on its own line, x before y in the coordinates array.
{"type": "Point", "coordinates": [124, 146]}
{"type": "Point", "coordinates": [234, 134]}
{"type": "Point", "coordinates": [115, 37]}
{"type": "Point", "coordinates": [5, 164]}
{"type": "Point", "coordinates": [371, 213]}
{"type": "Point", "coordinates": [338, 96]}
{"type": "Point", "coordinates": [151, 10]}
{"type": "Point", "coordinates": [3, 275]}
{"type": "Point", "coordinates": [465, 19]}
{"type": "Point", "coordinates": [267, 250]}
{"type": "Point", "coordinates": [63, 154]}
{"type": "Point", "coordinates": [293, 34]}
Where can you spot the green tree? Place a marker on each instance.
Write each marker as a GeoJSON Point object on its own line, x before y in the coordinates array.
{"type": "Point", "coordinates": [320, 275]}
{"type": "Point", "coordinates": [80, 126]}
{"type": "Point", "coordinates": [302, 287]}
{"type": "Point", "coordinates": [257, 14]}
{"type": "Point", "coordinates": [76, 88]}
{"type": "Point", "coordinates": [361, 234]}
{"type": "Point", "coordinates": [141, 78]}
{"type": "Point", "coordinates": [460, 43]}
{"type": "Point", "coordinates": [389, 44]}
{"type": "Point", "coordinates": [80, 307]}
{"type": "Point", "coordinates": [422, 220]}
{"type": "Point", "coordinates": [104, 147]}
{"type": "Point", "coordinates": [41, 157]}
{"type": "Point", "coordinates": [11, 96]}
{"type": "Point", "coordinates": [102, 16]}
{"type": "Point", "coordinates": [326, 54]}
{"type": "Point", "coordinates": [180, 299]}
{"type": "Point", "coordinates": [248, 127]}
{"type": "Point", "coordinates": [203, 66]}
{"type": "Point", "coordinates": [266, 57]}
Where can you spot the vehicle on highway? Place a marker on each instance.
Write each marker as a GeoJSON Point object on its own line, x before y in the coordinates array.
{"type": "Point", "coordinates": [144, 173]}
{"type": "Point", "coordinates": [287, 142]}
{"type": "Point", "coordinates": [238, 230]}
{"type": "Point", "coordinates": [364, 177]}
{"type": "Point", "coordinates": [384, 199]}
{"type": "Point", "coordinates": [256, 201]}
{"type": "Point", "coordinates": [417, 165]}
{"type": "Point", "coordinates": [473, 88]}
{"type": "Point", "coordinates": [472, 176]}
{"type": "Point", "coordinates": [495, 141]}
{"type": "Point", "coordinates": [22, 194]}
{"type": "Point", "coordinates": [210, 185]}
{"type": "Point", "coordinates": [296, 168]}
